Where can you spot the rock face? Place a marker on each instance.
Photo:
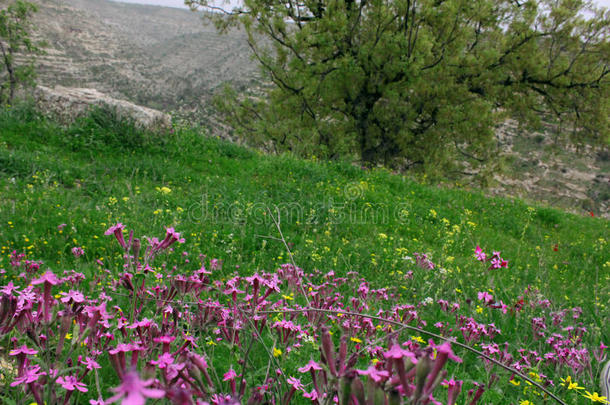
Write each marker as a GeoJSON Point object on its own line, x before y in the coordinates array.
{"type": "Point", "coordinates": [68, 103]}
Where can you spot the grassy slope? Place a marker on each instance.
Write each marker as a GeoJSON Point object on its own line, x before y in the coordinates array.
{"type": "Point", "coordinates": [335, 216]}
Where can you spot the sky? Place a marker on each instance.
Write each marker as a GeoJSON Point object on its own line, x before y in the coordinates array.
{"type": "Point", "coordinates": [180, 3]}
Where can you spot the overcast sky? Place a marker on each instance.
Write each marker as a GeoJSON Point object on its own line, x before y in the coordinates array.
{"type": "Point", "coordinates": [180, 3]}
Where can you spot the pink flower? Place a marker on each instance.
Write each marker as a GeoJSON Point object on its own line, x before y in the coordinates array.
{"type": "Point", "coordinates": [47, 278]}
{"type": "Point", "coordinates": [78, 251]}
{"type": "Point", "coordinates": [164, 360]}
{"type": "Point", "coordinates": [75, 296]}
{"type": "Point", "coordinates": [117, 230]}
{"type": "Point", "coordinates": [134, 391]}
{"type": "Point", "coordinates": [481, 256]}
{"type": "Point", "coordinates": [485, 297]}
{"type": "Point", "coordinates": [295, 383]}
{"type": "Point", "coordinates": [30, 375]}
{"type": "Point", "coordinates": [171, 236]}
{"type": "Point", "coordinates": [23, 350]}
{"type": "Point", "coordinates": [229, 375]}
{"type": "Point", "coordinates": [90, 363]}
{"type": "Point", "coordinates": [70, 383]}
{"type": "Point", "coordinates": [374, 374]}
{"type": "Point", "coordinates": [9, 289]}
{"type": "Point", "coordinates": [397, 352]}
{"type": "Point", "coordinates": [312, 365]}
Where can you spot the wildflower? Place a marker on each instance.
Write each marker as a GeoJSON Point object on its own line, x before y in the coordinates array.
{"type": "Point", "coordinates": [90, 363]}
{"type": "Point", "coordinates": [74, 296]}
{"type": "Point", "coordinates": [454, 389]}
{"type": "Point", "coordinates": [70, 383]}
{"type": "Point", "coordinates": [164, 361]}
{"type": "Point", "coordinates": [312, 365]}
{"type": "Point", "coordinates": [117, 230]}
{"type": "Point", "coordinates": [595, 397]}
{"type": "Point", "coordinates": [276, 352]}
{"type": "Point", "coordinates": [134, 391]}
{"type": "Point", "coordinates": [23, 350]}
{"type": "Point", "coordinates": [355, 340]}
{"type": "Point", "coordinates": [569, 384]}
{"type": "Point", "coordinates": [374, 374]}
{"type": "Point", "coordinates": [48, 279]}
{"type": "Point", "coordinates": [526, 402]}
{"type": "Point", "coordinates": [30, 375]}
{"type": "Point", "coordinates": [78, 251]}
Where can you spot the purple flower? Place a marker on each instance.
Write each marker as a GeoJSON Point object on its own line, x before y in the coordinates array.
{"type": "Point", "coordinates": [71, 383]}
{"type": "Point", "coordinates": [134, 391]}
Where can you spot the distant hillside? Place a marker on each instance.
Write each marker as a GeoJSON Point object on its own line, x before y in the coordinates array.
{"type": "Point", "coordinates": [155, 56]}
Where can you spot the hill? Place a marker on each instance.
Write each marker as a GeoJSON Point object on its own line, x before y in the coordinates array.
{"type": "Point", "coordinates": [160, 57]}
{"type": "Point", "coordinates": [367, 240]}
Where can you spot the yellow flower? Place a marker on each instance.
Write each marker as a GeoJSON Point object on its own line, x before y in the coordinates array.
{"type": "Point", "coordinates": [68, 336]}
{"type": "Point", "coordinates": [355, 340]}
{"type": "Point", "coordinates": [479, 309]}
{"type": "Point", "coordinates": [515, 382]}
{"type": "Point", "coordinates": [595, 397]}
{"type": "Point", "coordinates": [418, 339]}
{"type": "Point", "coordinates": [276, 352]}
{"type": "Point", "coordinates": [569, 384]}
{"type": "Point", "coordinates": [163, 190]}
{"type": "Point", "coordinates": [287, 297]}
{"type": "Point", "coordinates": [526, 402]}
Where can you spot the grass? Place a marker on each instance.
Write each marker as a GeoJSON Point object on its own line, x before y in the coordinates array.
{"type": "Point", "coordinates": [335, 216]}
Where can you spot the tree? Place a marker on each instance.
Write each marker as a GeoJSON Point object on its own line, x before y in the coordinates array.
{"type": "Point", "coordinates": [419, 83]}
{"type": "Point", "coordinates": [15, 26]}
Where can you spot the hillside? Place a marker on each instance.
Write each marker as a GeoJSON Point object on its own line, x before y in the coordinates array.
{"type": "Point", "coordinates": [160, 57]}
{"type": "Point", "coordinates": [366, 240]}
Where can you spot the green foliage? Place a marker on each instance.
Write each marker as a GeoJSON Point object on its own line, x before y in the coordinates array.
{"type": "Point", "coordinates": [104, 126]}
{"type": "Point", "coordinates": [419, 84]}
{"type": "Point", "coordinates": [15, 40]}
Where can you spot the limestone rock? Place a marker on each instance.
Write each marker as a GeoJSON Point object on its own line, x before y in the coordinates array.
{"type": "Point", "coordinates": [68, 103]}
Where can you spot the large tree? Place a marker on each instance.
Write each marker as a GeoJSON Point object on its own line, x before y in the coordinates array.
{"type": "Point", "coordinates": [419, 83]}
{"type": "Point", "coordinates": [15, 43]}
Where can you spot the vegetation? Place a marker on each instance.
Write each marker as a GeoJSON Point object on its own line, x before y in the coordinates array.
{"type": "Point", "coordinates": [419, 84]}
{"type": "Point", "coordinates": [15, 39]}
{"type": "Point", "coordinates": [364, 241]}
